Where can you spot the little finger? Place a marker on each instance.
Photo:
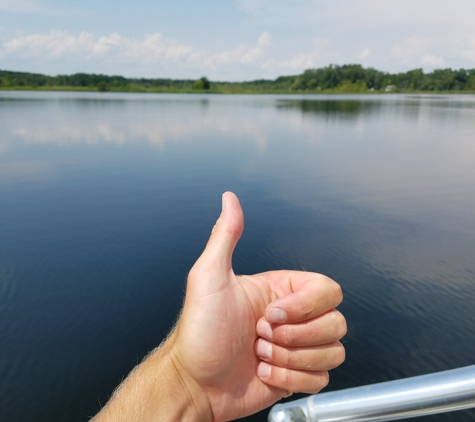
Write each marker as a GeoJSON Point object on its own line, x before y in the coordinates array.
{"type": "Point", "coordinates": [292, 380]}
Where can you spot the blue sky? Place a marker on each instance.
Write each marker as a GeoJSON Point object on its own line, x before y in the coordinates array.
{"type": "Point", "coordinates": [234, 39]}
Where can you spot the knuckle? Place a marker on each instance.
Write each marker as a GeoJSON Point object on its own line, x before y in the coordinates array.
{"type": "Point", "coordinates": [289, 335]}
{"type": "Point", "coordinates": [306, 307]}
{"type": "Point", "coordinates": [287, 377]}
{"type": "Point", "coordinates": [288, 358]}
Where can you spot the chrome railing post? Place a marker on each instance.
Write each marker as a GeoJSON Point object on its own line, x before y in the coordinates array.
{"type": "Point", "coordinates": [418, 396]}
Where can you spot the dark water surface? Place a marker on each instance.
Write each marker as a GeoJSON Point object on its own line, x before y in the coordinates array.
{"type": "Point", "coordinates": [106, 200]}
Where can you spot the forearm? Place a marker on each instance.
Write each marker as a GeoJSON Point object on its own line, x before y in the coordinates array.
{"type": "Point", "coordinates": [157, 390]}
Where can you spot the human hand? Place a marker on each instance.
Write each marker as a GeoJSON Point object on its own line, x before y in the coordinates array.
{"type": "Point", "coordinates": [242, 342]}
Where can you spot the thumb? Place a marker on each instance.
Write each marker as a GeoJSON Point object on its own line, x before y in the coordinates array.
{"type": "Point", "coordinates": [218, 253]}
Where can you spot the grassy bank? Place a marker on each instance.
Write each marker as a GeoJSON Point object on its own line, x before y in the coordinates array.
{"type": "Point", "coordinates": [226, 90]}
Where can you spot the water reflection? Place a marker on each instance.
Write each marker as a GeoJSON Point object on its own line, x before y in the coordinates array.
{"type": "Point", "coordinates": [343, 108]}
{"type": "Point", "coordinates": [152, 132]}
{"type": "Point", "coordinates": [115, 121]}
{"type": "Point", "coordinates": [347, 108]}
{"type": "Point", "coordinates": [107, 200]}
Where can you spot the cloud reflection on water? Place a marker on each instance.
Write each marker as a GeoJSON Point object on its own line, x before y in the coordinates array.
{"type": "Point", "coordinates": [366, 145]}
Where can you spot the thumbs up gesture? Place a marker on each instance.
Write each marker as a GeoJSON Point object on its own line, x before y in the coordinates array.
{"type": "Point", "coordinates": [241, 342]}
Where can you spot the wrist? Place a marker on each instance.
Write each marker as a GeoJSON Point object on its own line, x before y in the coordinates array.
{"type": "Point", "coordinates": [193, 404]}
{"type": "Point", "coordinates": [158, 389]}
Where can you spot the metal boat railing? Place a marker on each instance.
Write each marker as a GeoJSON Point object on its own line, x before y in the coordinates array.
{"type": "Point", "coordinates": [418, 396]}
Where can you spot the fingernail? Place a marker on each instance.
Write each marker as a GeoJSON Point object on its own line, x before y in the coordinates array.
{"type": "Point", "coordinates": [263, 349]}
{"type": "Point", "coordinates": [223, 206]}
{"type": "Point", "coordinates": [276, 315]}
{"type": "Point", "coordinates": [263, 370]}
{"type": "Point", "coordinates": [264, 329]}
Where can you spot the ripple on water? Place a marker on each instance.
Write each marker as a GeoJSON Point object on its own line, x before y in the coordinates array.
{"type": "Point", "coordinates": [7, 287]}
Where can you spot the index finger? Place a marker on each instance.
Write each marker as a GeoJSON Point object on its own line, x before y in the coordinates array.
{"type": "Point", "coordinates": [315, 296]}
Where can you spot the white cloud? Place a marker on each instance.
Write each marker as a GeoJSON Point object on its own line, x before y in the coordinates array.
{"type": "Point", "coordinates": [411, 51]}
{"type": "Point", "coordinates": [265, 40]}
{"type": "Point", "coordinates": [252, 55]}
{"type": "Point", "coordinates": [302, 61]}
{"type": "Point", "coordinates": [299, 61]}
{"type": "Point", "coordinates": [60, 44]}
{"type": "Point", "coordinates": [411, 47]}
{"type": "Point", "coordinates": [432, 61]}
{"type": "Point", "coordinates": [240, 54]}
{"type": "Point", "coordinates": [364, 54]}
{"type": "Point", "coordinates": [435, 52]}
{"type": "Point", "coordinates": [469, 54]}
{"type": "Point", "coordinates": [379, 34]}
{"type": "Point", "coordinates": [152, 48]}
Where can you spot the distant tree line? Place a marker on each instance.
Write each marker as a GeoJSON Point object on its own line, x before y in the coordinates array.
{"type": "Point", "coordinates": [333, 78]}
{"type": "Point", "coordinates": [358, 78]}
{"type": "Point", "coordinates": [89, 81]}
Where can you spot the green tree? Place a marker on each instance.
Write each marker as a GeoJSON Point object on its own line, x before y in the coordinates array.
{"type": "Point", "coordinates": [101, 86]}
{"type": "Point", "coordinates": [202, 83]}
{"type": "Point", "coordinates": [470, 86]}
{"type": "Point", "coordinates": [351, 87]}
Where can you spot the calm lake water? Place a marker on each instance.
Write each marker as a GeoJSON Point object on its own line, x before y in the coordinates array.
{"type": "Point", "coordinates": [106, 200]}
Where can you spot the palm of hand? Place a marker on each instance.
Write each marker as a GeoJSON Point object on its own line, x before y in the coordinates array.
{"type": "Point", "coordinates": [220, 334]}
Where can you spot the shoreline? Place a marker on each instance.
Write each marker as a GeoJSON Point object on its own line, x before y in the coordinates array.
{"type": "Point", "coordinates": [232, 92]}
